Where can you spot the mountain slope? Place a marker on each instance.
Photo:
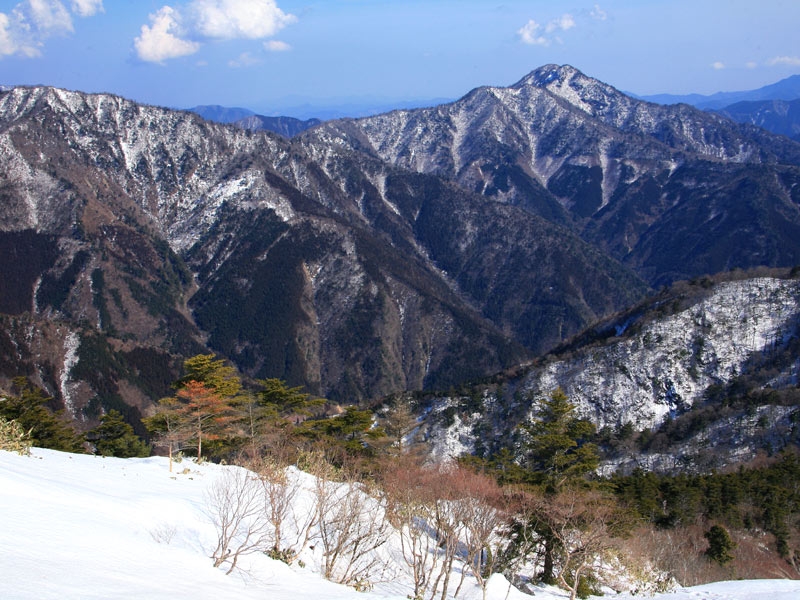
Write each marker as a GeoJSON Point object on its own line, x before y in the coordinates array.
{"type": "Point", "coordinates": [707, 369]}
{"type": "Point", "coordinates": [614, 169]}
{"type": "Point", "coordinates": [90, 527]}
{"type": "Point", "coordinates": [151, 235]}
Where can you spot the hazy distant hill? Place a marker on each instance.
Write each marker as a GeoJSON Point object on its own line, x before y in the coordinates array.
{"type": "Point", "coordinates": [785, 89]}
{"type": "Point", "coordinates": [777, 116]}
{"type": "Point", "coordinates": [221, 114]}
{"type": "Point", "coordinates": [286, 126]}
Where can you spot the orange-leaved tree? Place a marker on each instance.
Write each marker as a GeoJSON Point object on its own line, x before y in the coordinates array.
{"type": "Point", "coordinates": [207, 412]}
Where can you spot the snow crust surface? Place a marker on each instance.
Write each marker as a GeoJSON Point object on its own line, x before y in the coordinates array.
{"type": "Point", "coordinates": [86, 527]}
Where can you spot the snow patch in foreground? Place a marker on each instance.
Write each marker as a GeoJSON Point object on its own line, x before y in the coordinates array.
{"type": "Point", "coordinates": [86, 527]}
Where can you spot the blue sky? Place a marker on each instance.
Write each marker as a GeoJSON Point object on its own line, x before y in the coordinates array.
{"type": "Point", "coordinates": [270, 55]}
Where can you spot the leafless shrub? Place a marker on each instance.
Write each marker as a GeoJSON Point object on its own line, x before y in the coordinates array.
{"type": "Point", "coordinates": [411, 507]}
{"type": "Point", "coordinates": [235, 505]}
{"type": "Point", "coordinates": [163, 533]}
{"type": "Point", "coordinates": [351, 527]}
{"type": "Point", "coordinates": [290, 529]}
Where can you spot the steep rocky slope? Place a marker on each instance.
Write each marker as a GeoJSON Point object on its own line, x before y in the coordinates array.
{"type": "Point", "coordinates": [151, 233]}
{"type": "Point", "coordinates": [670, 365]}
{"type": "Point", "coordinates": [663, 188]}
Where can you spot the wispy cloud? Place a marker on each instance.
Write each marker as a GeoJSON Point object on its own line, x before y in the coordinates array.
{"type": "Point", "coordinates": [245, 59]}
{"type": "Point", "coordinates": [598, 14]}
{"type": "Point", "coordinates": [791, 61]}
{"type": "Point", "coordinates": [536, 34]}
{"type": "Point", "coordinates": [26, 27]}
{"type": "Point", "coordinates": [718, 65]}
{"type": "Point", "coordinates": [276, 46]}
{"type": "Point", "coordinates": [193, 23]}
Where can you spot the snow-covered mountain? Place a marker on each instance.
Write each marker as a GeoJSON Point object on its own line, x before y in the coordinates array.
{"type": "Point", "coordinates": [412, 250]}
{"type": "Point", "coordinates": [172, 235]}
{"type": "Point", "coordinates": [672, 191]}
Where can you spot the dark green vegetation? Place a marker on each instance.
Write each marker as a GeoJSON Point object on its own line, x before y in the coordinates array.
{"type": "Point", "coordinates": [33, 411]}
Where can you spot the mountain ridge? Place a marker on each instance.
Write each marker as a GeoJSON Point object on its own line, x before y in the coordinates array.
{"type": "Point", "coordinates": [412, 250]}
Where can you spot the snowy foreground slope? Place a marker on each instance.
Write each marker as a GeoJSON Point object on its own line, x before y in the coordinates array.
{"type": "Point", "coordinates": [85, 527]}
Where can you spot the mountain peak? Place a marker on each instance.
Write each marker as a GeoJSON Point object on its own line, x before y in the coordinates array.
{"type": "Point", "coordinates": [546, 75]}
{"type": "Point", "coordinates": [568, 83]}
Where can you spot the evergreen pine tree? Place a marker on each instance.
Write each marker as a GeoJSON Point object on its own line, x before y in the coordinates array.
{"type": "Point", "coordinates": [46, 428]}
{"type": "Point", "coordinates": [720, 545]}
{"type": "Point", "coordinates": [115, 437]}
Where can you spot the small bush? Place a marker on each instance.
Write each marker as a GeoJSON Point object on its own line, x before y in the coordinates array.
{"type": "Point", "coordinates": [14, 438]}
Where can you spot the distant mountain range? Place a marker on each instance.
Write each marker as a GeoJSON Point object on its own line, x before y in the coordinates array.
{"type": "Point", "coordinates": [777, 116]}
{"type": "Point", "coordinates": [412, 250]}
{"type": "Point", "coordinates": [221, 114]}
{"type": "Point", "coordinates": [785, 89]}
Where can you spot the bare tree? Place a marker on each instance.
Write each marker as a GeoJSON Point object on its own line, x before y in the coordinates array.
{"type": "Point", "coordinates": [410, 492]}
{"type": "Point", "coordinates": [584, 524]}
{"type": "Point", "coordinates": [478, 508]}
{"type": "Point", "coordinates": [290, 530]}
{"type": "Point", "coordinates": [235, 505]}
{"type": "Point", "coordinates": [351, 525]}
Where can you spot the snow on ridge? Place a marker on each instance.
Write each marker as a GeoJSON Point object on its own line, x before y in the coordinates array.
{"type": "Point", "coordinates": [668, 365]}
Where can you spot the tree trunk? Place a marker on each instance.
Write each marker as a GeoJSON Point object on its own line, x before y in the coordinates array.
{"type": "Point", "coordinates": [549, 550]}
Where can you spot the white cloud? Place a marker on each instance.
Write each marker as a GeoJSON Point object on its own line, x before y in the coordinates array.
{"type": "Point", "coordinates": [751, 64]}
{"type": "Point", "coordinates": [163, 39]}
{"type": "Point", "coordinates": [238, 19]}
{"type": "Point", "coordinates": [563, 23]}
{"type": "Point", "coordinates": [87, 8]}
{"type": "Point", "coordinates": [182, 30]}
{"type": "Point", "coordinates": [7, 45]}
{"type": "Point", "coordinates": [598, 13]}
{"type": "Point", "coordinates": [49, 16]}
{"type": "Point", "coordinates": [276, 46]}
{"type": "Point", "coordinates": [25, 28]}
{"type": "Point", "coordinates": [718, 65]}
{"type": "Point", "coordinates": [791, 61]}
{"type": "Point", "coordinates": [531, 32]}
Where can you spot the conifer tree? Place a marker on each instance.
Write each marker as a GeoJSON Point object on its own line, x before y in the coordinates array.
{"type": "Point", "coordinates": [558, 454]}
{"type": "Point", "coordinates": [557, 445]}
{"type": "Point", "coordinates": [115, 437]}
{"type": "Point", "coordinates": [720, 545]}
{"type": "Point", "coordinates": [207, 412]}
{"type": "Point", "coordinates": [213, 372]}
{"type": "Point", "coordinates": [46, 428]}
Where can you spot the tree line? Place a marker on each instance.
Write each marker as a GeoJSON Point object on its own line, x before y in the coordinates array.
{"type": "Point", "coordinates": [539, 509]}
